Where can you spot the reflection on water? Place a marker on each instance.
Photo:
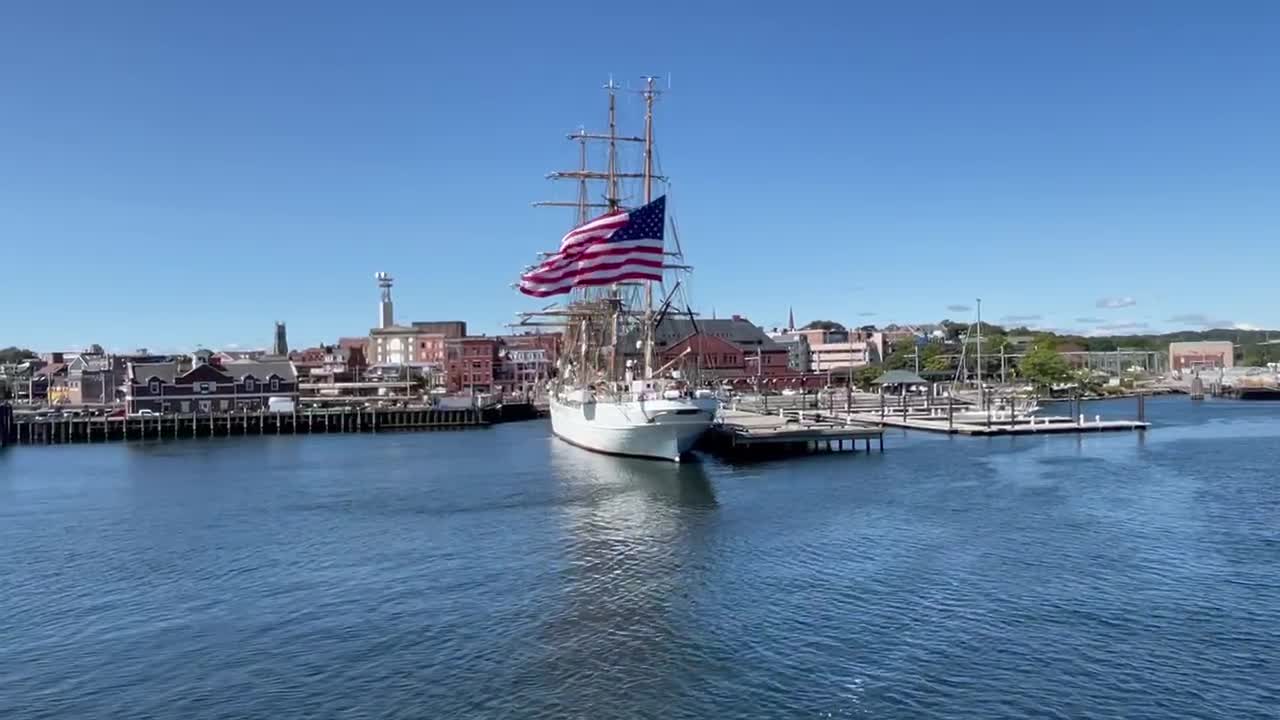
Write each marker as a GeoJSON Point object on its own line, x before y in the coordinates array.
{"type": "Point", "coordinates": [634, 533]}
{"type": "Point", "coordinates": [679, 484]}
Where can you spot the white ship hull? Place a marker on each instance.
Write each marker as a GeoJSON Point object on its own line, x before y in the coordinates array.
{"type": "Point", "coordinates": [661, 429]}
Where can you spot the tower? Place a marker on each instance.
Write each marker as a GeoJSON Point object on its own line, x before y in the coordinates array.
{"type": "Point", "coordinates": [791, 319]}
{"type": "Point", "coordinates": [281, 345]}
{"type": "Point", "coordinates": [385, 316]}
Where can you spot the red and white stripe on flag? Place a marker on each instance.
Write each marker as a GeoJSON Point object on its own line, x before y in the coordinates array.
{"type": "Point", "coordinates": [587, 257]}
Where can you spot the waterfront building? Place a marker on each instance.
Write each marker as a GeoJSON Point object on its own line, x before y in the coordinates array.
{"type": "Point", "coordinates": [308, 360]}
{"type": "Point", "coordinates": [1201, 355]}
{"type": "Point", "coordinates": [203, 387]}
{"type": "Point", "coordinates": [797, 345]}
{"type": "Point", "coordinates": [429, 348]}
{"type": "Point", "coordinates": [723, 348]}
{"type": "Point", "coordinates": [470, 363]}
{"type": "Point", "coordinates": [91, 379]}
{"type": "Point", "coordinates": [393, 345]}
{"type": "Point", "coordinates": [831, 350]}
{"type": "Point", "coordinates": [526, 362]}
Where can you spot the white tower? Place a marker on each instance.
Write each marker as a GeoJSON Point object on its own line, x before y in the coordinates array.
{"type": "Point", "coordinates": [385, 316]}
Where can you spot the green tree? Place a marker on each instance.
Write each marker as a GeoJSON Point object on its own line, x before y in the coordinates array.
{"type": "Point", "coordinates": [13, 354]}
{"type": "Point", "coordinates": [823, 325]}
{"type": "Point", "coordinates": [1043, 366]}
{"type": "Point", "coordinates": [932, 358]}
{"type": "Point", "coordinates": [902, 356]}
{"type": "Point", "coordinates": [1260, 355]}
{"type": "Point", "coordinates": [865, 377]}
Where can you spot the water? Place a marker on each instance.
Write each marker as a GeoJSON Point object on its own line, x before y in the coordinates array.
{"type": "Point", "coordinates": [500, 573]}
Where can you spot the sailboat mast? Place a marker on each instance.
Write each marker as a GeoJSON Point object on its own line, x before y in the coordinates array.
{"type": "Point", "coordinates": [648, 197]}
{"type": "Point", "coordinates": [979, 357]}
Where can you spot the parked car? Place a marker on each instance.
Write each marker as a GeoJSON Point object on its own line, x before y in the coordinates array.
{"type": "Point", "coordinates": [146, 413]}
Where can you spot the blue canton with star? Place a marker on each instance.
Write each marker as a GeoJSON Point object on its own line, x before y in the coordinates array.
{"type": "Point", "coordinates": [644, 223]}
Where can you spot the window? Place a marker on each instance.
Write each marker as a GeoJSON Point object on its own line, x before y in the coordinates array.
{"type": "Point", "coordinates": [186, 406]}
{"type": "Point", "coordinates": [248, 384]}
{"type": "Point", "coordinates": [204, 406]}
{"type": "Point", "coordinates": [223, 405]}
{"type": "Point", "coordinates": [275, 384]}
{"type": "Point", "coordinates": [155, 386]}
{"type": "Point", "coordinates": [164, 407]}
{"type": "Point", "coordinates": [204, 388]}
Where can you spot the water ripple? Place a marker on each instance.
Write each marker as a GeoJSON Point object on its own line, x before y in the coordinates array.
{"type": "Point", "coordinates": [503, 574]}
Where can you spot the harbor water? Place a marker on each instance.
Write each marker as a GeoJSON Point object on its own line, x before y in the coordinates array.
{"type": "Point", "coordinates": [501, 573]}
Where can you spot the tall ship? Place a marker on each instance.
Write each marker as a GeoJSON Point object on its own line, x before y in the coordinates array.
{"type": "Point", "coordinates": [610, 393]}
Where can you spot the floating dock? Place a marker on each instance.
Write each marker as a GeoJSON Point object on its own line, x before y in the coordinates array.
{"type": "Point", "coordinates": [789, 432]}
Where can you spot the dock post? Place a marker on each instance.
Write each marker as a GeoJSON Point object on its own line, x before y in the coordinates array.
{"type": "Point", "coordinates": [951, 414]}
{"type": "Point", "coordinates": [1142, 407]}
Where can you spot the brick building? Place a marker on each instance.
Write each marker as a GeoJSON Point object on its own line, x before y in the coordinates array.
{"type": "Point", "coordinates": [723, 348]}
{"type": "Point", "coordinates": [471, 363]}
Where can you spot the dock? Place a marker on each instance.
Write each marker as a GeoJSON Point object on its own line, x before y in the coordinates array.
{"type": "Point", "coordinates": [6, 423]}
{"type": "Point", "coordinates": [28, 429]}
{"type": "Point", "coordinates": [1007, 424]}
{"type": "Point", "coordinates": [789, 432]}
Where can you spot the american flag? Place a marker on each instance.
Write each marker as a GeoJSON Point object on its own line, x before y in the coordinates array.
{"type": "Point", "coordinates": [611, 248]}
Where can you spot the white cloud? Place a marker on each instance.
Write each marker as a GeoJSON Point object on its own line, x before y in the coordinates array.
{"type": "Point", "coordinates": [1021, 318]}
{"type": "Point", "coordinates": [1112, 303]}
{"type": "Point", "coordinates": [1244, 326]}
{"type": "Point", "coordinates": [959, 308]}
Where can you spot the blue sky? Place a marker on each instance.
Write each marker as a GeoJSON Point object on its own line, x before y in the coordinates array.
{"type": "Point", "coordinates": [173, 176]}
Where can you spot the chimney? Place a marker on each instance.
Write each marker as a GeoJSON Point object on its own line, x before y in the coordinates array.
{"type": "Point", "coordinates": [737, 318]}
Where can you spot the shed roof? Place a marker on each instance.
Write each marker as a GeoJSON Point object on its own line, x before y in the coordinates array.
{"type": "Point", "coordinates": [900, 377]}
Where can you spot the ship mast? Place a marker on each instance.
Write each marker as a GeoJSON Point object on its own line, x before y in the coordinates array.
{"type": "Point", "coordinates": [649, 330]}
{"type": "Point", "coordinates": [611, 189]}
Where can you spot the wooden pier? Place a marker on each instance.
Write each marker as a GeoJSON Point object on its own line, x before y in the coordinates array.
{"type": "Point", "coordinates": [941, 422]}
{"type": "Point", "coordinates": [789, 432]}
{"type": "Point", "coordinates": [6, 423]}
{"type": "Point", "coordinates": [33, 430]}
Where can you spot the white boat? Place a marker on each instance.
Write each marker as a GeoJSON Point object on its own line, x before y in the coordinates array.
{"type": "Point", "coordinates": [601, 399]}
{"type": "Point", "coordinates": [642, 425]}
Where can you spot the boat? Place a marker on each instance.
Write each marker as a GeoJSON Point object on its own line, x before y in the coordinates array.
{"type": "Point", "coordinates": [609, 395]}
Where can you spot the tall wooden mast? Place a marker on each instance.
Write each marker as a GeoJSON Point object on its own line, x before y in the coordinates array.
{"type": "Point", "coordinates": [649, 330]}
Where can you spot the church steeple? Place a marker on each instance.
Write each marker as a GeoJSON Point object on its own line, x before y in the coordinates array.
{"type": "Point", "coordinates": [791, 318]}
